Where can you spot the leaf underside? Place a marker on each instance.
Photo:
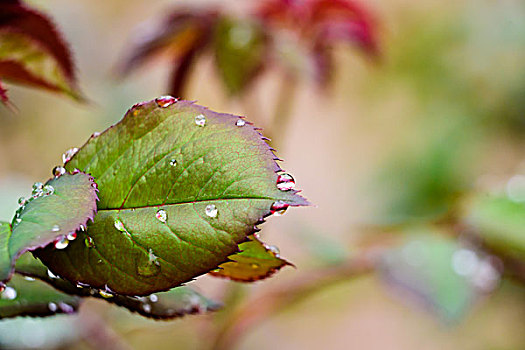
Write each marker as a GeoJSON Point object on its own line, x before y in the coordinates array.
{"type": "Point", "coordinates": [159, 158]}
{"type": "Point", "coordinates": [34, 298]}
{"type": "Point", "coordinates": [46, 218]}
{"type": "Point", "coordinates": [175, 303]}
{"type": "Point", "coordinates": [256, 261]}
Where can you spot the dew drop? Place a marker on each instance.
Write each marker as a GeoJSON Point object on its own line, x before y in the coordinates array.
{"type": "Point", "coordinates": [21, 201]}
{"type": "Point", "coordinates": [119, 225]}
{"type": "Point", "coordinates": [279, 208]}
{"type": "Point", "coordinates": [211, 210]}
{"type": "Point", "coordinates": [161, 215]}
{"type": "Point", "coordinates": [30, 279]}
{"type": "Point", "coordinates": [8, 293]}
{"type": "Point", "coordinates": [89, 242]}
{"type": "Point", "coordinates": [273, 249]}
{"type": "Point", "coordinates": [240, 123]}
{"type": "Point", "coordinates": [48, 190]}
{"type": "Point", "coordinates": [52, 307]}
{"type": "Point", "coordinates": [66, 308]}
{"type": "Point", "coordinates": [147, 308]}
{"type": "Point", "coordinates": [173, 162]}
{"type": "Point", "coordinates": [58, 171]}
{"type": "Point", "coordinates": [61, 243]}
{"type": "Point", "coordinates": [285, 182]}
{"type": "Point", "coordinates": [82, 228]}
{"type": "Point", "coordinates": [72, 235]}
{"type": "Point", "coordinates": [149, 267]}
{"type": "Point", "coordinates": [55, 228]}
{"type": "Point", "coordinates": [18, 220]}
{"type": "Point", "coordinates": [51, 274]}
{"type": "Point", "coordinates": [153, 298]}
{"type": "Point", "coordinates": [37, 186]}
{"type": "Point", "coordinates": [104, 294]}
{"type": "Point", "coordinates": [66, 157]}
{"type": "Point", "coordinates": [200, 120]}
{"type": "Point", "coordinates": [165, 101]}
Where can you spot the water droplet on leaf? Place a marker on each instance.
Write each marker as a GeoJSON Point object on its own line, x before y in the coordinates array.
{"type": "Point", "coordinates": [173, 162]}
{"type": "Point", "coordinates": [51, 274]}
{"type": "Point", "coordinates": [200, 120]}
{"type": "Point", "coordinates": [279, 208]}
{"type": "Point", "coordinates": [104, 294]}
{"type": "Point", "coordinates": [273, 249]}
{"type": "Point", "coordinates": [61, 243]}
{"type": "Point", "coordinates": [30, 279]}
{"type": "Point", "coordinates": [285, 182]}
{"type": "Point", "coordinates": [48, 190]}
{"type": "Point", "coordinates": [58, 171]}
{"type": "Point", "coordinates": [55, 228]}
{"type": "Point", "coordinates": [161, 215]}
{"type": "Point", "coordinates": [211, 210]}
{"type": "Point", "coordinates": [89, 242]}
{"type": "Point", "coordinates": [66, 157]}
{"type": "Point", "coordinates": [240, 123]}
{"type": "Point", "coordinates": [82, 228]}
{"type": "Point", "coordinates": [9, 293]}
{"type": "Point", "coordinates": [37, 186]}
{"type": "Point", "coordinates": [119, 225]}
{"type": "Point", "coordinates": [52, 307]}
{"type": "Point", "coordinates": [147, 308]}
{"type": "Point", "coordinates": [72, 235]}
{"type": "Point", "coordinates": [165, 101]}
{"type": "Point", "coordinates": [21, 201]}
{"type": "Point", "coordinates": [150, 266]}
{"type": "Point", "coordinates": [153, 298]}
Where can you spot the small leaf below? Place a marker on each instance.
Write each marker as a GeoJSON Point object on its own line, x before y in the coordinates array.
{"type": "Point", "coordinates": [26, 297]}
{"type": "Point", "coordinates": [256, 261]}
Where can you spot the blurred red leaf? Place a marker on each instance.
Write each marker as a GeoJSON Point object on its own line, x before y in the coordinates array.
{"type": "Point", "coordinates": [321, 24]}
{"type": "Point", "coordinates": [183, 35]}
{"type": "Point", "coordinates": [33, 52]}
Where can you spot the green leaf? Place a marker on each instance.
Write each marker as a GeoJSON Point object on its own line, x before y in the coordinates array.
{"type": "Point", "coordinates": [177, 302]}
{"type": "Point", "coordinates": [499, 221]}
{"type": "Point", "coordinates": [60, 207]}
{"type": "Point", "coordinates": [32, 51]}
{"type": "Point", "coordinates": [23, 297]}
{"type": "Point", "coordinates": [178, 193]}
{"type": "Point", "coordinates": [240, 48]}
{"type": "Point", "coordinates": [256, 261]}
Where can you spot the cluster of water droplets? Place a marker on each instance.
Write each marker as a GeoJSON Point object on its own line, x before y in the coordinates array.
{"type": "Point", "coordinates": [38, 190]}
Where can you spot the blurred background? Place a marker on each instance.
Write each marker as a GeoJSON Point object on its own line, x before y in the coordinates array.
{"type": "Point", "coordinates": [414, 160]}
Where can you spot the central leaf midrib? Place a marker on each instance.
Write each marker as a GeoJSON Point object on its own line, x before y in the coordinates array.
{"type": "Point", "coordinates": [191, 202]}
